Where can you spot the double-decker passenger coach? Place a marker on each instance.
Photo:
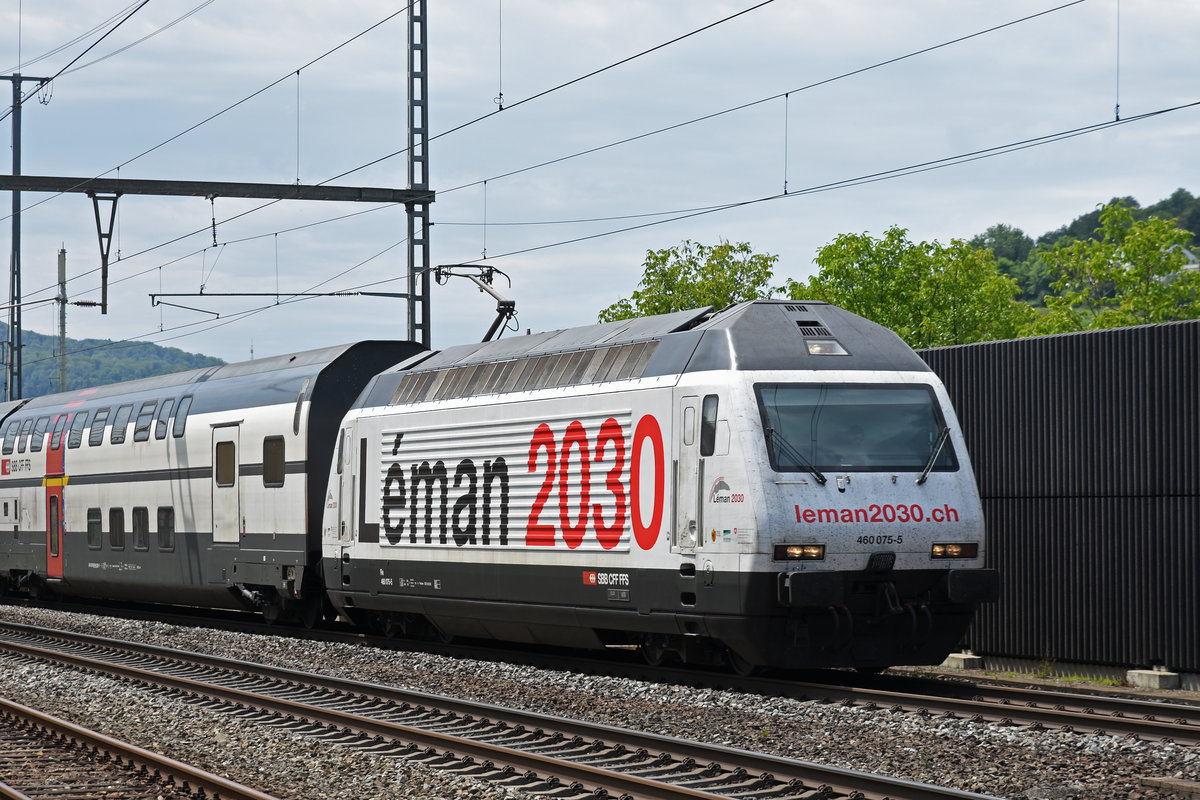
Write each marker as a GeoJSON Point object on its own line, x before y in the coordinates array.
{"type": "Point", "coordinates": [198, 488]}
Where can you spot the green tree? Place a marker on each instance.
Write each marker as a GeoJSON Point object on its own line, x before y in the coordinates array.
{"type": "Point", "coordinates": [694, 275]}
{"type": "Point", "coordinates": [1131, 275]}
{"type": "Point", "coordinates": [1017, 258]}
{"type": "Point", "coordinates": [929, 294]}
{"type": "Point", "coordinates": [1006, 243]}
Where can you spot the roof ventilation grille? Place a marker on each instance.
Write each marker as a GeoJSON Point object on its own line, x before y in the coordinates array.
{"type": "Point", "coordinates": [812, 328]}
{"type": "Point", "coordinates": [796, 309]}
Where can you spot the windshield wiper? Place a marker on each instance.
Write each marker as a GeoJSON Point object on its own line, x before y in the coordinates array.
{"type": "Point", "coordinates": [795, 454]}
{"type": "Point", "coordinates": [937, 451]}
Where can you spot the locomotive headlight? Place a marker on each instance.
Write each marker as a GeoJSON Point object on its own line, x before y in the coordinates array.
{"type": "Point", "coordinates": [799, 552]}
{"type": "Point", "coordinates": [955, 550]}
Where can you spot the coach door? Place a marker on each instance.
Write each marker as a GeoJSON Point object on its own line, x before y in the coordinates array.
{"type": "Point", "coordinates": [54, 499]}
{"type": "Point", "coordinates": [688, 478]}
{"type": "Point", "coordinates": [226, 488]}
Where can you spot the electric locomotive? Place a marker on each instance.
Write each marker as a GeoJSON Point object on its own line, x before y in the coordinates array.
{"type": "Point", "coordinates": [777, 484]}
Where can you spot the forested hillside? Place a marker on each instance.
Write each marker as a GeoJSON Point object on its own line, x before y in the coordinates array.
{"type": "Point", "coordinates": [1021, 258]}
{"type": "Point", "coordinates": [93, 362]}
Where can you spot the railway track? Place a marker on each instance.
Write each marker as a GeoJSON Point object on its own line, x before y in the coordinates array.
{"type": "Point", "coordinates": [1033, 707]}
{"type": "Point", "coordinates": [538, 753]}
{"type": "Point", "coordinates": [42, 756]}
{"type": "Point", "coordinates": [1022, 705]}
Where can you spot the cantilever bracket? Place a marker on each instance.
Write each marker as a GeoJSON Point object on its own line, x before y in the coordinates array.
{"type": "Point", "coordinates": [105, 238]}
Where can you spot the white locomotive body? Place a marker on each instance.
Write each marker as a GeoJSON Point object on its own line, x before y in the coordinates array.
{"type": "Point", "coordinates": [779, 484]}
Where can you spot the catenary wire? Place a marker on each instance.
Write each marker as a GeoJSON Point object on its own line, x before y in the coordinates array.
{"type": "Point", "coordinates": [228, 108]}
{"type": "Point", "coordinates": [71, 63]}
{"type": "Point", "coordinates": [68, 45]}
{"type": "Point", "coordinates": [875, 177]}
{"type": "Point", "coordinates": [714, 208]}
{"type": "Point", "coordinates": [626, 140]}
{"type": "Point", "coordinates": [150, 35]}
{"type": "Point", "coordinates": [444, 133]}
{"type": "Point", "coordinates": [898, 172]}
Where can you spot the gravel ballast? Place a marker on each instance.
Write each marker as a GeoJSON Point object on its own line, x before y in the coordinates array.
{"type": "Point", "coordinates": [1003, 761]}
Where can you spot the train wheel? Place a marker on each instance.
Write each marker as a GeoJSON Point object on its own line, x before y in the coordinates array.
{"type": "Point", "coordinates": [739, 665]}
{"type": "Point", "coordinates": [654, 653]}
{"type": "Point", "coordinates": [391, 625]}
{"type": "Point", "coordinates": [272, 611]}
{"type": "Point", "coordinates": [310, 611]}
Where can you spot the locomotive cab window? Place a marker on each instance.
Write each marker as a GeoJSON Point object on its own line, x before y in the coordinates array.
{"type": "Point", "coordinates": [78, 423]}
{"type": "Point", "coordinates": [273, 472]}
{"type": "Point", "coordinates": [895, 428]}
{"type": "Point", "coordinates": [708, 425]}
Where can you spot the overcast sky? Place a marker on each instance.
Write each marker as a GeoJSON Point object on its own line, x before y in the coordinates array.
{"type": "Point", "coordinates": [1057, 72]}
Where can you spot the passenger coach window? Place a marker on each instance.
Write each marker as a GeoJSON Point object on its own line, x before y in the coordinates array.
{"type": "Point", "coordinates": [116, 528]}
{"type": "Point", "coordinates": [273, 461]}
{"type": "Point", "coordinates": [181, 416]}
{"type": "Point", "coordinates": [708, 425]}
{"type": "Point", "coordinates": [141, 428]}
{"type": "Point", "coordinates": [56, 437]}
{"type": "Point", "coordinates": [78, 423]}
{"type": "Point", "coordinates": [226, 466]}
{"type": "Point", "coordinates": [10, 436]}
{"type": "Point", "coordinates": [160, 422]}
{"type": "Point", "coordinates": [96, 434]}
{"type": "Point", "coordinates": [23, 442]}
{"type": "Point", "coordinates": [39, 434]}
{"type": "Point", "coordinates": [121, 423]}
{"type": "Point", "coordinates": [166, 528]}
{"type": "Point", "coordinates": [141, 529]}
{"type": "Point", "coordinates": [95, 523]}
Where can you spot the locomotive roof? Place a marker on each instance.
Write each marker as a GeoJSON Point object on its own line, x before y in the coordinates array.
{"type": "Point", "coordinates": [757, 335]}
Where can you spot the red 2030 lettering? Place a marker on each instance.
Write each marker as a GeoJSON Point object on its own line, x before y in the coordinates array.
{"type": "Point", "coordinates": [575, 509]}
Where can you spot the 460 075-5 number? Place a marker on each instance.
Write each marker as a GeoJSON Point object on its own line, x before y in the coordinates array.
{"type": "Point", "coordinates": [881, 539]}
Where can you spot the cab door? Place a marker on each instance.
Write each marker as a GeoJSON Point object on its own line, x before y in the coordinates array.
{"type": "Point", "coordinates": [53, 482]}
{"type": "Point", "coordinates": [689, 478]}
{"type": "Point", "coordinates": [347, 483]}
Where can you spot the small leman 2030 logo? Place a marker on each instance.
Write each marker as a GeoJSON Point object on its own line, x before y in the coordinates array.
{"type": "Point", "coordinates": [721, 492]}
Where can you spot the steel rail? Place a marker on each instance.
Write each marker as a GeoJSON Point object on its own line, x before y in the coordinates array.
{"type": "Point", "coordinates": [196, 779]}
{"type": "Point", "coordinates": [804, 774]}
